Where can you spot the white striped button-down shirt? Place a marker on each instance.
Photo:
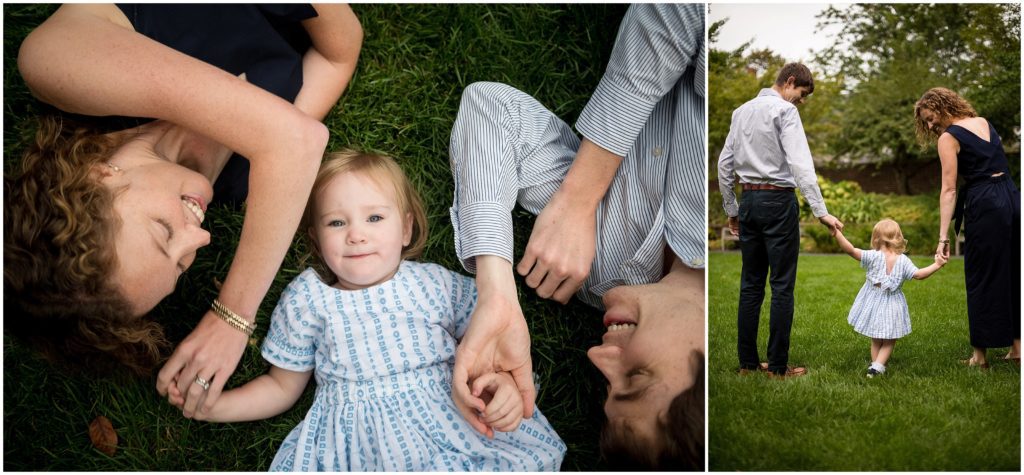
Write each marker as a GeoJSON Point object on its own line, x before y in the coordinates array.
{"type": "Point", "coordinates": [767, 145]}
{"type": "Point", "coordinates": [648, 107]}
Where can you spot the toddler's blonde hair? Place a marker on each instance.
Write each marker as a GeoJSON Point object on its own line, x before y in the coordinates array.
{"type": "Point", "coordinates": [887, 233]}
{"type": "Point", "coordinates": [384, 171]}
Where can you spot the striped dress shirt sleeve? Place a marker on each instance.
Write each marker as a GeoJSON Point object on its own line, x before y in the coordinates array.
{"type": "Point", "coordinates": [649, 108]}
{"type": "Point", "coordinates": [656, 43]}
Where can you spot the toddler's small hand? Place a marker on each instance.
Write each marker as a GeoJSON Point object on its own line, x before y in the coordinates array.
{"type": "Point", "coordinates": [940, 260]}
{"type": "Point", "coordinates": [174, 396]}
{"type": "Point", "coordinates": [472, 407]}
{"type": "Point", "coordinates": [504, 406]}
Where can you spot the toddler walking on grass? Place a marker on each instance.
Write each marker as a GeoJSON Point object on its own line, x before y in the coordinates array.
{"type": "Point", "coordinates": [379, 333]}
{"type": "Point", "coordinates": [880, 311]}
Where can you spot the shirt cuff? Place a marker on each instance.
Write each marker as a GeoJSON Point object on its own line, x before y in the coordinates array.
{"type": "Point", "coordinates": [483, 228]}
{"type": "Point", "coordinates": [614, 116]}
{"type": "Point", "coordinates": [818, 210]}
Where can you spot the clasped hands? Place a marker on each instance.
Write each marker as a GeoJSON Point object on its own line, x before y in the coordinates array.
{"type": "Point", "coordinates": [493, 378]}
{"type": "Point", "coordinates": [210, 352]}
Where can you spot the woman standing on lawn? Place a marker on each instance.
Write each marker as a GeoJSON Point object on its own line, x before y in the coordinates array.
{"type": "Point", "coordinates": [106, 212]}
{"type": "Point", "coordinates": [989, 207]}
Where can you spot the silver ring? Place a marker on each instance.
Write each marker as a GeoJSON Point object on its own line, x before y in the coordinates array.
{"type": "Point", "coordinates": [202, 383]}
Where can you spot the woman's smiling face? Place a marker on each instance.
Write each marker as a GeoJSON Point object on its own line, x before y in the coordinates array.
{"type": "Point", "coordinates": [160, 206]}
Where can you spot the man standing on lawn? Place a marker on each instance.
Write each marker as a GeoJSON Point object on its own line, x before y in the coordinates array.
{"type": "Point", "coordinates": [767, 151]}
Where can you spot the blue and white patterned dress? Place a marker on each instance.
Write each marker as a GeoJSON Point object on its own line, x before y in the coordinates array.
{"type": "Point", "coordinates": [382, 358]}
{"type": "Point", "coordinates": [880, 310]}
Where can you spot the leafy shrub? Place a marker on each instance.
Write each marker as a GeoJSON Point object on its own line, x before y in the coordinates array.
{"type": "Point", "coordinates": [845, 200]}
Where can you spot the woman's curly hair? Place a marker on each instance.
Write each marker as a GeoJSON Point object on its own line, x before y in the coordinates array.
{"type": "Point", "coordinates": [945, 104]}
{"type": "Point", "coordinates": [59, 255]}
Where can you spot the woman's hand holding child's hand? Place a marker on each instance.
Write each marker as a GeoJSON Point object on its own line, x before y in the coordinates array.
{"type": "Point", "coordinates": [941, 260]}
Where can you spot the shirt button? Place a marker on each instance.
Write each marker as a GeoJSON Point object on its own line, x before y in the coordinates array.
{"type": "Point", "coordinates": [696, 262]}
{"type": "Point", "coordinates": [657, 151]}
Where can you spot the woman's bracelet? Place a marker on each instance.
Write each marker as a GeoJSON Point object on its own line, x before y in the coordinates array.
{"type": "Point", "coordinates": [232, 318]}
{"type": "Point", "coordinates": [943, 241]}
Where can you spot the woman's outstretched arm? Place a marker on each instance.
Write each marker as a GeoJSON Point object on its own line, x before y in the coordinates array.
{"type": "Point", "coordinates": [82, 60]}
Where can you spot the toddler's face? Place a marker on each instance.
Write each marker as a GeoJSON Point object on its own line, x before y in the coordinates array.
{"type": "Point", "coordinates": [360, 231]}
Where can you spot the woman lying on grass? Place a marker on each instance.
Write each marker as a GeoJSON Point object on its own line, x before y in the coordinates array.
{"type": "Point", "coordinates": [106, 212]}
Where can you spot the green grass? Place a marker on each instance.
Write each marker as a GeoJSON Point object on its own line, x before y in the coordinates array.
{"type": "Point", "coordinates": [926, 413]}
{"type": "Point", "coordinates": [415, 61]}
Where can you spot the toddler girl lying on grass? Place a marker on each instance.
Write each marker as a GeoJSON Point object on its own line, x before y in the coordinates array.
{"type": "Point", "coordinates": [379, 332]}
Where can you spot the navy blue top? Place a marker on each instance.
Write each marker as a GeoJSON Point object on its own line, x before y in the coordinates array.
{"type": "Point", "coordinates": [266, 42]}
{"type": "Point", "coordinates": [978, 159]}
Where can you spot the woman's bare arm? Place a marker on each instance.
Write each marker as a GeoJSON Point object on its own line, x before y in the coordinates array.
{"type": "Point", "coordinates": [948, 149]}
{"type": "Point", "coordinates": [329, 64]}
{"type": "Point", "coordinates": [81, 61]}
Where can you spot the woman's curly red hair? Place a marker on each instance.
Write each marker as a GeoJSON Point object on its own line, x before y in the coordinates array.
{"type": "Point", "coordinates": [59, 255]}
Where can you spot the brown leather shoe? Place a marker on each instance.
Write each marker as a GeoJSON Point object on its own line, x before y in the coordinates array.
{"type": "Point", "coordinates": [791, 372]}
{"type": "Point", "coordinates": [761, 368]}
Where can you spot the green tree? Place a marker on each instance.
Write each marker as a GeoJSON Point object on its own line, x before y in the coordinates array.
{"type": "Point", "coordinates": [890, 54]}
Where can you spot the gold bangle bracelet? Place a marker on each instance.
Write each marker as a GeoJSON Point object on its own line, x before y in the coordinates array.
{"type": "Point", "coordinates": [232, 318]}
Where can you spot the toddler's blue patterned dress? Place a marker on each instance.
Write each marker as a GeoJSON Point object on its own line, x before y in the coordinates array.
{"type": "Point", "coordinates": [880, 310]}
{"type": "Point", "coordinates": [382, 358]}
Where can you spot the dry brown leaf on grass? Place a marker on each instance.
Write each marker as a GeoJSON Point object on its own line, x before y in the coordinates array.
{"type": "Point", "coordinates": [103, 436]}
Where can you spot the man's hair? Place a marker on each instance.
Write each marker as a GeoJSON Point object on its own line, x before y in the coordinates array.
{"type": "Point", "coordinates": [681, 437]}
{"type": "Point", "coordinates": [946, 105]}
{"type": "Point", "coordinates": [59, 258]}
{"type": "Point", "coordinates": [383, 170]}
{"type": "Point", "coordinates": [801, 76]}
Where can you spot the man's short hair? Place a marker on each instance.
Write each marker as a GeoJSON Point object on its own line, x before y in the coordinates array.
{"type": "Point", "coordinates": [681, 446]}
{"type": "Point", "coordinates": [800, 73]}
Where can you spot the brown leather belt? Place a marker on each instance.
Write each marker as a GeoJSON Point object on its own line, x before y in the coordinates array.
{"type": "Point", "coordinates": [764, 186]}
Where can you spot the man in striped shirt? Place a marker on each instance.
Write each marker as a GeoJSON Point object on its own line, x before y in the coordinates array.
{"type": "Point", "coordinates": [620, 223]}
{"type": "Point", "coordinates": [766, 149]}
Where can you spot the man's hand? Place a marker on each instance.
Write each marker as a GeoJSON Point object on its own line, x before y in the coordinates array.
{"type": "Point", "coordinates": [496, 340]}
{"type": "Point", "coordinates": [734, 225]}
{"type": "Point", "coordinates": [212, 352]}
{"type": "Point", "coordinates": [832, 223]}
{"type": "Point", "coordinates": [561, 248]}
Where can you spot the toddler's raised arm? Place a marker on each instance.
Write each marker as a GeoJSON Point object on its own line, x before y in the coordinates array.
{"type": "Point", "coordinates": [266, 396]}
{"type": "Point", "coordinates": [922, 274]}
{"type": "Point", "coordinates": [845, 244]}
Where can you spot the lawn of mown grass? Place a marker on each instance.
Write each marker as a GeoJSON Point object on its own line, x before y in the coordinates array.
{"type": "Point", "coordinates": [415, 61]}
{"type": "Point", "coordinates": [926, 413]}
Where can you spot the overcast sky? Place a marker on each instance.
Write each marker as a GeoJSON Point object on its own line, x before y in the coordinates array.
{"type": "Point", "coordinates": [787, 29]}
